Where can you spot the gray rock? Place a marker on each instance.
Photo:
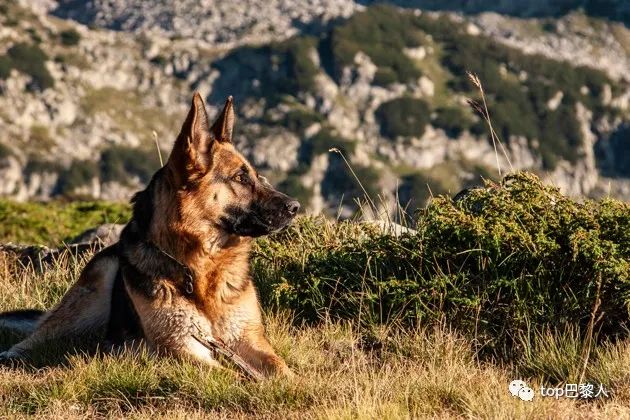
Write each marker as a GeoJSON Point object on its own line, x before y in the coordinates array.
{"type": "Point", "coordinates": [103, 235]}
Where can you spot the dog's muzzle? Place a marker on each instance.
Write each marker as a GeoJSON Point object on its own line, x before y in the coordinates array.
{"type": "Point", "coordinates": [261, 219]}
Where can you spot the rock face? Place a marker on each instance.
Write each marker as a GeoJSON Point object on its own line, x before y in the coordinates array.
{"type": "Point", "coordinates": [618, 10]}
{"type": "Point", "coordinates": [312, 105]}
{"type": "Point", "coordinates": [217, 23]}
{"type": "Point", "coordinates": [573, 38]}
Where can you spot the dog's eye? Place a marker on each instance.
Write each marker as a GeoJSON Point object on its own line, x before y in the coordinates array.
{"type": "Point", "coordinates": [242, 178]}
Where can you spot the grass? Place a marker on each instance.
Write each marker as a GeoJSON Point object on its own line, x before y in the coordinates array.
{"type": "Point", "coordinates": [423, 325]}
{"type": "Point", "coordinates": [54, 222]}
{"type": "Point", "coordinates": [429, 371]}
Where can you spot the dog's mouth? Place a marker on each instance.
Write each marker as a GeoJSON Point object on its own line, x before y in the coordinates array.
{"type": "Point", "coordinates": [255, 222]}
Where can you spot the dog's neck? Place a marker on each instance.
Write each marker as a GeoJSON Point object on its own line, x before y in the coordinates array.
{"type": "Point", "coordinates": [200, 247]}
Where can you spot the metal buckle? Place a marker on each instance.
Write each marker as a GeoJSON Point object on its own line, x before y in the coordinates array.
{"type": "Point", "coordinates": [190, 287]}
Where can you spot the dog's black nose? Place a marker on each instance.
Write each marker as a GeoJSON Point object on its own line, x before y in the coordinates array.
{"type": "Point", "coordinates": [293, 207]}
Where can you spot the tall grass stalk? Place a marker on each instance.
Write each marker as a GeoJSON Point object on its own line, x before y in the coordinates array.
{"type": "Point", "coordinates": [485, 114]}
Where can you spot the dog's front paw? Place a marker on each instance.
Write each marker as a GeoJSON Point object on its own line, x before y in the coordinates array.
{"type": "Point", "coordinates": [287, 373]}
{"type": "Point", "coordinates": [279, 368]}
{"type": "Point", "coordinates": [11, 358]}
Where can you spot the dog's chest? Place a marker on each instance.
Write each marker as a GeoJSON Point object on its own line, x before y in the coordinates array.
{"type": "Point", "coordinates": [233, 312]}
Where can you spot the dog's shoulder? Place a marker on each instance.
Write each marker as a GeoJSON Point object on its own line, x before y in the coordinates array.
{"type": "Point", "coordinates": [101, 269]}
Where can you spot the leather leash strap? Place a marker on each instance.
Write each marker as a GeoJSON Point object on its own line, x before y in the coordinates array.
{"type": "Point", "coordinates": [217, 346]}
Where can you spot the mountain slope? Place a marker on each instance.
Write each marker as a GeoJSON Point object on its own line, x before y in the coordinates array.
{"type": "Point", "coordinates": [387, 88]}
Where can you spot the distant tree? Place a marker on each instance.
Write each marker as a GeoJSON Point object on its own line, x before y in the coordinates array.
{"type": "Point", "coordinates": [613, 154]}
{"type": "Point", "coordinates": [381, 32]}
{"type": "Point", "coordinates": [322, 142]}
{"type": "Point", "coordinates": [453, 120]}
{"type": "Point", "coordinates": [340, 182]}
{"type": "Point", "coordinates": [404, 116]}
{"type": "Point", "coordinates": [78, 174]}
{"type": "Point", "coordinates": [5, 151]}
{"type": "Point", "coordinates": [118, 163]}
{"type": "Point", "coordinates": [415, 191]}
{"type": "Point", "coordinates": [70, 37]}
{"type": "Point", "coordinates": [5, 67]}
{"type": "Point", "coordinates": [298, 120]}
{"type": "Point", "coordinates": [30, 59]}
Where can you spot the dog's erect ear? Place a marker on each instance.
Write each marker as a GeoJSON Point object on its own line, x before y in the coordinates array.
{"type": "Point", "coordinates": [224, 125]}
{"type": "Point", "coordinates": [191, 157]}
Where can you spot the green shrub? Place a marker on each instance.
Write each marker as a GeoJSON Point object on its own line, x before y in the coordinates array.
{"type": "Point", "coordinates": [301, 68]}
{"type": "Point", "coordinates": [519, 107]}
{"type": "Point", "coordinates": [159, 60]}
{"type": "Point", "coordinates": [290, 67]}
{"type": "Point", "coordinates": [496, 262]}
{"type": "Point", "coordinates": [5, 151]}
{"type": "Point", "coordinates": [381, 32]}
{"type": "Point", "coordinates": [36, 165]}
{"type": "Point", "coordinates": [385, 76]}
{"type": "Point", "coordinates": [70, 37]}
{"type": "Point", "coordinates": [560, 124]}
{"type": "Point", "coordinates": [5, 67]}
{"type": "Point", "coordinates": [30, 59]}
{"type": "Point", "coordinates": [271, 71]}
{"type": "Point", "coordinates": [298, 120]}
{"type": "Point", "coordinates": [339, 182]}
{"type": "Point", "coordinates": [326, 139]}
{"type": "Point", "coordinates": [549, 26]}
{"type": "Point", "coordinates": [79, 174]}
{"type": "Point", "coordinates": [404, 116]}
{"type": "Point", "coordinates": [415, 190]}
{"type": "Point", "coordinates": [118, 163]}
{"type": "Point", "coordinates": [453, 120]}
{"type": "Point", "coordinates": [34, 35]}
{"type": "Point", "coordinates": [40, 136]}
{"type": "Point", "coordinates": [613, 155]}
{"type": "Point", "coordinates": [322, 142]}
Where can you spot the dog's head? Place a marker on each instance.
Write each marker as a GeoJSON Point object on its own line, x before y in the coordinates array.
{"type": "Point", "coordinates": [211, 182]}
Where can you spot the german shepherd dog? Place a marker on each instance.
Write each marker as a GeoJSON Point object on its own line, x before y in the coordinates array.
{"type": "Point", "coordinates": [182, 263]}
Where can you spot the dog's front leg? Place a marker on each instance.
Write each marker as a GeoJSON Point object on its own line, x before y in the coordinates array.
{"type": "Point", "coordinates": [169, 323]}
{"type": "Point", "coordinates": [172, 332]}
{"type": "Point", "coordinates": [254, 348]}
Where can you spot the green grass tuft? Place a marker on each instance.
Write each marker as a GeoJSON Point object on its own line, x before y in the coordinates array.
{"type": "Point", "coordinates": [54, 222]}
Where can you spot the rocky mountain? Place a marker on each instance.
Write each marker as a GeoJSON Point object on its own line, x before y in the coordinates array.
{"type": "Point", "coordinates": [327, 92]}
{"type": "Point", "coordinates": [209, 21]}
{"type": "Point", "coordinates": [617, 10]}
